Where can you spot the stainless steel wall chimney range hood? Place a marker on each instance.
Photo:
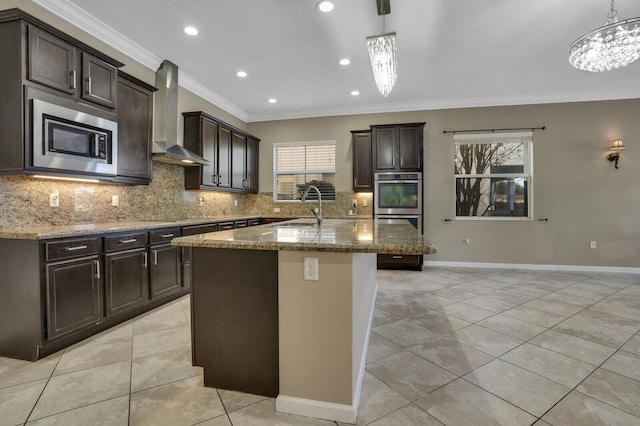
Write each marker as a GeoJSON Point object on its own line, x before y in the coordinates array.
{"type": "Point", "coordinates": [165, 143]}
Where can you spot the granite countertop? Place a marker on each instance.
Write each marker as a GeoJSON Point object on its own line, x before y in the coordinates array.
{"type": "Point", "coordinates": [334, 235]}
{"type": "Point", "coordinates": [61, 231]}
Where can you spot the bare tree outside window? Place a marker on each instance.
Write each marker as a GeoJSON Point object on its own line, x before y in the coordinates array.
{"type": "Point", "coordinates": [492, 176]}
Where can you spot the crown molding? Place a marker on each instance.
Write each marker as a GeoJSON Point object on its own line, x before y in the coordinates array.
{"type": "Point", "coordinates": [95, 27]}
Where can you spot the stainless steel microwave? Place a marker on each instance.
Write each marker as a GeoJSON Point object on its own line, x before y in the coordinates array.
{"type": "Point", "coordinates": [69, 140]}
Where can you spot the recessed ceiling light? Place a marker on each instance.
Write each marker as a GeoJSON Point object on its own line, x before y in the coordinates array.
{"type": "Point", "coordinates": [192, 31]}
{"type": "Point", "coordinates": [325, 6]}
{"type": "Point", "coordinates": [345, 61]}
{"type": "Point", "coordinates": [241, 74]}
{"type": "Point", "coordinates": [272, 100]}
{"type": "Point", "coordinates": [355, 93]}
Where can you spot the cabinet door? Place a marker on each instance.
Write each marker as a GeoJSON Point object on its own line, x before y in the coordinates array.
{"type": "Point", "coordinates": [52, 61]}
{"type": "Point", "coordinates": [251, 171]}
{"type": "Point", "coordinates": [410, 148]}
{"type": "Point", "coordinates": [126, 280]}
{"type": "Point", "coordinates": [210, 152]}
{"type": "Point", "coordinates": [73, 295]}
{"type": "Point", "coordinates": [135, 120]}
{"type": "Point", "coordinates": [166, 270]}
{"type": "Point", "coordinates": [385, 150]}
{"type": "Point", "coordinates": [238, 161]}
{"type": "Point", "coordinates": [98, 81]}
{"type": "Point", "coordinates": [224, 157]}
{"type": "Point", "coordinates": [362, 172]}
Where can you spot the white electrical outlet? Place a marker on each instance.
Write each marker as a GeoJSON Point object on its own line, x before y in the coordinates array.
{"type": "Point", "coordinates": [354, 203]}
{"type": "Point", "coordinates": [54, 199]}
{"type": "Point", "coordinates": [276, 209]}
{"type": "Point", "coordinates": [311, 268]}
{"type": "Point", "coordinates": [115, 200]}
{"type": "Point", "coordinates": [235, 203]}
{"type": "Point", "coordinates": [364, 202]}
{"type": "Point", "coordinates": [201, 201]}
{"type": "Point", "coordinates": [592, 244]}
{"type": "Point", "coordinates": [466, 242]}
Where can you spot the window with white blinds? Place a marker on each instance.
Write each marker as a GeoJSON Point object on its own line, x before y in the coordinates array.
{"type": "Point", "coordinates": [297, 165]}
{"type": "Point", "coordinates": [493, 175]}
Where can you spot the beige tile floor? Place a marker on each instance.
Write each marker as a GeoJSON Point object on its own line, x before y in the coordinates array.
{"type": "Point", "coordinates": [448, 346]}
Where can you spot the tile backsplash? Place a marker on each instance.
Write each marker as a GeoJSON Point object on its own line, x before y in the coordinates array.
{"type": "Point", "coordinates": [24, 201]}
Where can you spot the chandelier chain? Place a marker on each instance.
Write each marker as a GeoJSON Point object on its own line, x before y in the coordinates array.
{"type": "Point", "coordinates": [612, 14]}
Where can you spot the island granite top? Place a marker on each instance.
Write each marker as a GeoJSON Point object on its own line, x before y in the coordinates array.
{"type": "Point", "coordinates": [334, 235]}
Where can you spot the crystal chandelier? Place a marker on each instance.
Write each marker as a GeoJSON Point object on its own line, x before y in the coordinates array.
{"type": "Point", "coordinates": [614, 45]}
{"type": "Point", "coordinates": [382, 52]}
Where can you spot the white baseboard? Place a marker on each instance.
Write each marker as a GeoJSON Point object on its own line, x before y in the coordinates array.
{"type": "Point", "coordinates": [318, 409]}
{"type": "Point", "coordinates": [570, 268]}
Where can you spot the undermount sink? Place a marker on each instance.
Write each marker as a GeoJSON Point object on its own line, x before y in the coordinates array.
{"type": "Point", "coordinates": [297, 224]}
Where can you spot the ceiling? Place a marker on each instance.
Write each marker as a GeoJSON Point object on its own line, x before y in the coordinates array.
{"type": "Point", "coordinates": [451, 54]}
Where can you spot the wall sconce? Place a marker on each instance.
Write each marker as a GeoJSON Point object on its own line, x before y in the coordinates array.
{"type": "Point", "coordinates": [616, 147]}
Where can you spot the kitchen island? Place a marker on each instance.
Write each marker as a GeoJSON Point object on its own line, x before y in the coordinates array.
{"type": "Point", "coordinates": [259, 326]}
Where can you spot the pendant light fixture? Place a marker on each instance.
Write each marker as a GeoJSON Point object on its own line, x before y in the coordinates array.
{"type": "Point", "coordinates": [382, 53]}
{"type": "Point", "coordinates": [614, 45]}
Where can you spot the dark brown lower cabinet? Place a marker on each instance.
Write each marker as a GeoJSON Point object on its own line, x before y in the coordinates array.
{"type": "Point", "coordinates": [166, 270]}
{"type": "Point", "coordinates": [400, 261]}
{"type": "Point", "coordinates": [126, 280]}
{"type": "Point", "coordinates": [73, 295]}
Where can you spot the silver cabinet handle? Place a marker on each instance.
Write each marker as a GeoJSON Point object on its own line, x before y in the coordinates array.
{"type": "Point", "coordinates": [401, 162]}
{"type": "Point", "coordinates": [87, 89]}
{"type": "Point", "coordinates": [397, 257]}
{"type": "Point", "coordinates": [75, 248]}
{"type": "Point", "coordinates": [355, 181]}
{"type": "Point", "coordinates": [144, 258]}
{"type": "Point", "coordinates": [214, 178]}
{"type": "Point", "coordinates": [72, 77]}
{"type": "Point", "coordinates": [393, 161]}
{"type": "Point", "coordinates": [132, 240]}
{"type": "Point", "coordinates": [96, 263]}
{"type": "Point", "coordinates": [155, 257]}
{"type": "Point", "coordinates": [166, 235]}
{"type": "Point", "coordinates": [248, 183]}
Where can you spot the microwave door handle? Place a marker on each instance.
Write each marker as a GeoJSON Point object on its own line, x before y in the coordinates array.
{"type": "Point", "coordinates": [96, 145]}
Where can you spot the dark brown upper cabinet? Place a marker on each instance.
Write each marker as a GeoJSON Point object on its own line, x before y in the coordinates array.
{"type": "Point", "coordinates": [397, 147]}
{"type": "Point", "coordinates": [135, 126]}
{"type": "Point", "coordinates": [233, 155]}
{"type": "Point", "coordinates": [58, 64]}
{"type": "Point", "coordinates": [98, 81]}
{"type": "Point", "coordinates": [362, 169]}
{"type": "Point", "coordinates": [244, 164]}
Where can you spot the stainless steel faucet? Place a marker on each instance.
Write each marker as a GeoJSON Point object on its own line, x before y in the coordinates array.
{"type": "Point", "coordinates": [304, 199]}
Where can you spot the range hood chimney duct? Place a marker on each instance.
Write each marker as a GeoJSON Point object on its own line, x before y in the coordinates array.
{"type": "Point", "coordinates": [165, 143]}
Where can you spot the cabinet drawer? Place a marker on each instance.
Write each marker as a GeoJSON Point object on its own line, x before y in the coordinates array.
{"type": "Point", "coordinates": [241, 224]}
{"type": "Point", "coordinates": [254, 222]}
{"type": "Point", "coordinates": [67, 249]}
{"type": "Point", "coordinates": [125, 241]}
{"type": "Point", "coordinates": [163, 236]}
{"type": "Point", "coordinates": [199, 229]}
{"type": "Point", "coordinates": [225, 225]}
{"type": "Point", "coordinates": [399, 258]}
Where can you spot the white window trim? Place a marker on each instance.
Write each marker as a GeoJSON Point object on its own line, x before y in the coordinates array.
{"type": "Point", "coordinates": [275, 174]}
{"type": "Point", "coordinates": [470, 139]}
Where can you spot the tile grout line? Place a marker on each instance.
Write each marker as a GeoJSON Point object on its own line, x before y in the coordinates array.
{"type": "Point", "coordinates": [44, 387]}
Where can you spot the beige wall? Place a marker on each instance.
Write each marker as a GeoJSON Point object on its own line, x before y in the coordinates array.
{"type": "Point", "coordinates": [575, 187]}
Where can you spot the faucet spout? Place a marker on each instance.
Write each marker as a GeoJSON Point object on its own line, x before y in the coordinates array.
{"type": "Point", "coordinates": [304, 199]}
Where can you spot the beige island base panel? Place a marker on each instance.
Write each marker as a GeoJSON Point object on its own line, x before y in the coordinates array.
{"type": "Point", "coordinates": [323, 332]}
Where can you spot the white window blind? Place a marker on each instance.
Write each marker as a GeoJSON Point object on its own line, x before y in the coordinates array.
{"type": "Point", "coordinates": [297, 165]}
{"type": "Point", "coordinates": [493, 175]}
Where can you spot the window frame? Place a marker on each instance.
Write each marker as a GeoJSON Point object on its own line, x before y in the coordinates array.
{"type": "Point", "coordinates": [526, 139]}
{"type": "Point", "coordinates": [276, 145]}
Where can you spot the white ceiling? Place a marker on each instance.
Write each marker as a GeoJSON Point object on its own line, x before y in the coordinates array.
{"type": "Point", "coordinates": [451, 53]}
